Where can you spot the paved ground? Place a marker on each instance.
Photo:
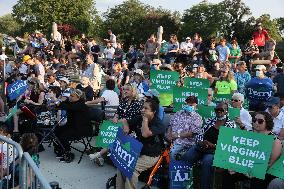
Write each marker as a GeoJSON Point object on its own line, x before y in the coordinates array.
{"type": "Point", "coordinates": [85, 175]}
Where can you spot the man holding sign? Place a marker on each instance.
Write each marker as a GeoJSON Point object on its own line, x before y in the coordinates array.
{"type": "Point", "coordinates": [149, 131]}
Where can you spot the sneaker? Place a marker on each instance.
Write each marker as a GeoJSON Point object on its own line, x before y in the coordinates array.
{"type": "Point", "coordinates": [59, 156]}
{"type": "Point", "coordinates": [100, 161]}
{"type": "Point", "coordinates": [94, 156]}
{"type": "Point", "coordinates": [67, 158]}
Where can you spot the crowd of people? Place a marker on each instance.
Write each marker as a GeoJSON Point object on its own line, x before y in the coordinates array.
{"type": "Point", "coordinates": [109, 75]}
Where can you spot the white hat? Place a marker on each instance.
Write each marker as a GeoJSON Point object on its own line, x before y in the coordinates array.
{"type": "Point", "coordinates": [139, 71]}
{"type": "Point", "coordinates": [238, 96]}
{"type": "Point", "coordinates": [260, 67]}
{"type": "Point", "coordinates": [66, 80]}
{"type": "Point", "coordinates": [188, 38]}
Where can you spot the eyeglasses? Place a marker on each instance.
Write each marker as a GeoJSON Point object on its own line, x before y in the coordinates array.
{"type": "Point", "coordinates": [259, 121]}
{"type": "Point", "coordinates": [219, 110]}
{"type": "Point", "coordinates": [235, 100]}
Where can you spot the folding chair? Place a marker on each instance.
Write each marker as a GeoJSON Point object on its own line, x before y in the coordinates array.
{"type": "Point", "coordinates": [86, 142]}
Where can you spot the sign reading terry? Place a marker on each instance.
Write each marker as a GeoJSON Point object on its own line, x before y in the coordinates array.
{"type": "Point", "coordinates": [125, 152]}
{"type": "Point", "coordinates": [243, 151]}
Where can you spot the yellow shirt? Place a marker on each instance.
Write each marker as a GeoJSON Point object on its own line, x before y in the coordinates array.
{"type": "Point", "coordinates": [225, 87]}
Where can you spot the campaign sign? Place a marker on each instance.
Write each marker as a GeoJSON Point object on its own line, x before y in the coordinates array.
{"type": "Point", "coordinates": [222, 97]}
{"type": "Point", "coordinates": [243, 151]}
{"type": "Point", "coordinates": [125, 152]}
{"type": "Point", "coordinates": [16, 89]}
{"type": "Point", "coordinates": [11, 113]}
{"type": "Point", "coordinates": [207, 112]}
{"type": "Point", "coordinates": [163, 81]}
{"type": "Point", "coordinates": [277, 169]}
{"type": "Point", "coordinates": [181, 176]}
{"type": "Point", "coordinates": [196, 82]}
{"type": "Point", "coordinates": [181, 93]}
{"type": "Point", "coordinates": [107, 134]}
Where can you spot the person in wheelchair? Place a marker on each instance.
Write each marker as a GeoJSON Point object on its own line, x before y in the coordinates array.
{"type": "Point", "coordinates": [149, 130]}
{"type": "Point", "coordinates": [78, 124]}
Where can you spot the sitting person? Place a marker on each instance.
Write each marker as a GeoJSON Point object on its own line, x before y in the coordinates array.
{"type": "Point", "coordinates": [269, 49]}
{"type": "Point", "coordinates": [78, 124]}
{"type": "Point", "coordinates": [149, 131]}
{"type": "Point", "coordinates": [154, 94]}
{"type": "Point", "coordinates": [185, 125]}
{"type": "Point", "coordinates": [204, 150]}
{"type": "Point", "coordinates": [108, 96]}
{"type": "Point", "coordinates": [262, 123]}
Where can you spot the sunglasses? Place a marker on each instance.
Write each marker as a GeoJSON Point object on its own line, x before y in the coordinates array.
{"type": "Point", "coordinates": [219, 110]}
{"type": "Point", "coordinates": [259, 121]}
{"type": "Point", "coordinates": [234, 100]}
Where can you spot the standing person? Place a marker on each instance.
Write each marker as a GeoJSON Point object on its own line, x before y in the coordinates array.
{"type": "Point", "coordinates": [244, 121]}
{"type": "Point", "coordinates": [152, 48]}
{"type": "Point", "coordinates": [242, 76]}
{"type": "Point", "coordinates": [211, 56]}
{"type": "Point", "coordinates": [94, 50]}
{"type": "Point", "coordinates": [109, 54]}
{"type": "Point", "coordinates": [24, 68]}
{"type": "Point", "coordinates": [257, 97]}
{"type": "Point", "coordinates": [204, 150]}
{"type": "Point", "coordinates": [93, 73]}
{"type": "Point", "coordinates": [260, 35]}
{"type": "Point", "coordinates": [149, 130]}
{"type": "Point", "coordinates": [112, 39]}
{"type": "Point", "coordinates": [223, 51]}
{"type": "Point", "coordinates": [185, 125]}
{"type": "Point", "coordinates": [226, 83]}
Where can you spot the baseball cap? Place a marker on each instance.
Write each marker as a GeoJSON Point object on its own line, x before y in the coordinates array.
{"type": "Point", "coordinates": [26, 58]}
{"type": "Point", "coordinates": [151, 93]}
{"type": "Point", "coordinates": [260, 67]}
{"type": "Point", "coordinates": [139, 71]}
{"type": "Point", "coordinates": [272, 101]}
{"type": "Point", "coordinates": [66, 80]}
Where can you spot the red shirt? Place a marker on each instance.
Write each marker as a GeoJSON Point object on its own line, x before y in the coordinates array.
{"type": "Point", "coordinates": [260, 37]}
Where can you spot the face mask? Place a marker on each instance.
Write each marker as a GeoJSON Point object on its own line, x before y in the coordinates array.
{"type": "Point", "coordinates": [188, 108]}
{"type": "Point", "coordinates": [153, 67]}
{"type": "Point", "coordinates": [221, 118]}
{"type": "Point", "coordinates": [258, 73]}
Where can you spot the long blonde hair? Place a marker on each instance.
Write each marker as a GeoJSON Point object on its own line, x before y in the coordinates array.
{"type": "Point", "coordinates": [133, 89]}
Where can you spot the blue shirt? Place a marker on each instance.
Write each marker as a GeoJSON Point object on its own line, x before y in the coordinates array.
{"type": "Point", "coordinates": [259, 90]}
{"type": "Point", "coordinates": [223, 52]}
{"type": "Point", "coordinates": [242, 79]}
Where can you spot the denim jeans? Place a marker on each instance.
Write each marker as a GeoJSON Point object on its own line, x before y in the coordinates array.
{"type": "Point", "coordinates": [193, 155]}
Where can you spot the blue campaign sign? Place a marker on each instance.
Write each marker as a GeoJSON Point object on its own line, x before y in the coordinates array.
{"type": "Point", "coordinates": [125, 152]}
{"type": "Point", "coordinates": [181, 175]}
{"type": "Point", "coordinates": [16, 89]}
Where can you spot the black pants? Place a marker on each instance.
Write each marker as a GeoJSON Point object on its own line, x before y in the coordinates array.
{"type": "Point", "coordinates": [65, 134]}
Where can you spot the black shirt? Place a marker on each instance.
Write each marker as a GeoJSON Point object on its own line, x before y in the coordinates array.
{"type": "Point", "coordinates": [153, 145]}
{"type": "Point", "coordinates": [125, 111]}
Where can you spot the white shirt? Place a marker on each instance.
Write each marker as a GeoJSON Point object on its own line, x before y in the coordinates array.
{"type": "Point", "coordinates": [246, 119]}
{"type": "Point", "coordinates": [113, 39]}
{"type": "Point", "coordinates": [23, 69]}
{"type": "Point", "coordinates": [109, 52]}
{"type": "Point", "coordinates": [186, 46]}
{"type": "Point", "coordinates": [278, 123]}
{"type": "Point", "coordinates": [111, 98]}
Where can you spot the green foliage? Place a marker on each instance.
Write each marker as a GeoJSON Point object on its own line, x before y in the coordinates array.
{"type": "Point", "coordinates": [37, 14]}
{"type": "Point", "coordinates": [9, 25]}
{"type": "Point", "coordinates": [134, 22]}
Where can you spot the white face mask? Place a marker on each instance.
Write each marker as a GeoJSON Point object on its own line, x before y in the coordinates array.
{"type": "Point", "coordinates": [259, 73]}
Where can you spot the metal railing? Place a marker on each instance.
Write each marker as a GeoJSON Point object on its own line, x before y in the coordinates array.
{"type": "Point", "coordinates": [18, 168]}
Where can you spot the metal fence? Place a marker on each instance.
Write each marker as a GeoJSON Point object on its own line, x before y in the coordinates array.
{"type": "Point", "coordinates": [17, 169]}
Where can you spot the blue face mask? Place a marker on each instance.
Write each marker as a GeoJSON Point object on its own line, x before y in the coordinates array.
{"type": "Point", "coordinates": [188, 108]}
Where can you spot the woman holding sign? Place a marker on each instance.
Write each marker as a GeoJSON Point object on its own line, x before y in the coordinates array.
{"type": "Point", "coordinates": [262, 123]}
{"type": "Point", "coordinates": [149, 130]}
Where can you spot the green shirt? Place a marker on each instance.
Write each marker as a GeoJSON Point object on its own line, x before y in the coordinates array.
{"type": "Point", "coordinates": [225, 87]}
{"type": "Point", "coordinates": [234, 52]}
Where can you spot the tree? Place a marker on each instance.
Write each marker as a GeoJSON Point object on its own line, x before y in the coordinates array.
{"type": "Point", "coordinates": [37, 14]}
{"type": "Point", "coordinates": [9, 25]}
{"type": "Point", "coordinates": [134, 21]}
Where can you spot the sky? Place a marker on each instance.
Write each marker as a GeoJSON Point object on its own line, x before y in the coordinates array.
{"type": "Point", "coordinates": [258, 7]}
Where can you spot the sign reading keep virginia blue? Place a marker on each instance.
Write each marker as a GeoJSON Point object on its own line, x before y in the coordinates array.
{"type": "Point", "coordinates": [16, 89]}
{"type": "Point", "coordinates": [181, 175]}
{"type": "Point", "coordinates": [125, 152]}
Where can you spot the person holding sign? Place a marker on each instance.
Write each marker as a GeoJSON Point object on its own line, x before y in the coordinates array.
{"type": "Point", "coordinates": [262, 123]}
{"type": "Point", "coordinates": [184, 126]}
{"type": "Point", "coordinates": [226, 83]}
{"type": "Point", "coordinates": [244, 121]}
{"type": "Point", "coordinates": [204, 150]}
{"type": "Point", "coordinates": [149, 130]}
